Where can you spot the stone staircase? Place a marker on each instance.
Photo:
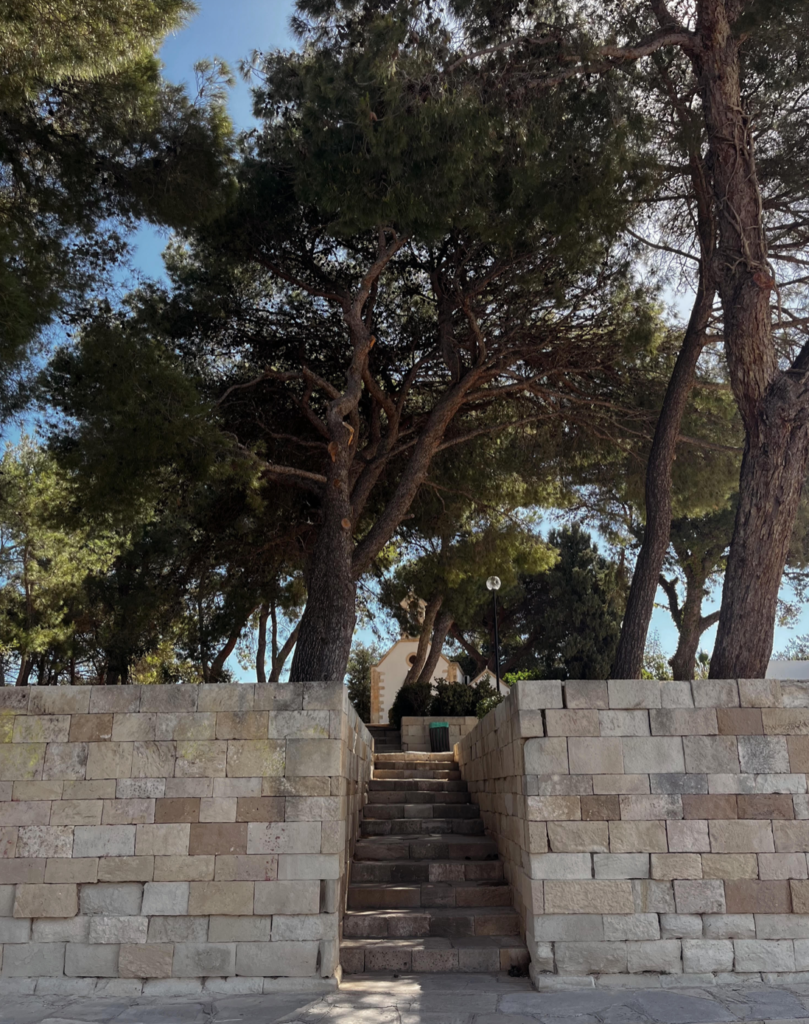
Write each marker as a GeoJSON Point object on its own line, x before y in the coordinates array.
{"type": "Point", "coordinates": [426, 891]}
{"type": "Point", "coordinates": [387, 740]}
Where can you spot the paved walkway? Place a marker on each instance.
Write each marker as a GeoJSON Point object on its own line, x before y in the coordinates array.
{"type": "Point", "coordinates": [433, 999]}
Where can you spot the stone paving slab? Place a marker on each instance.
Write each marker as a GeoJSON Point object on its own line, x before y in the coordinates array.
{"type": "Point", "coordinates": [432, 999]}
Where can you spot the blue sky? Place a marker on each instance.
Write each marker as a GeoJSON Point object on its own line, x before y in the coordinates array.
{"type": "Point", "coordinates": [232, 29]}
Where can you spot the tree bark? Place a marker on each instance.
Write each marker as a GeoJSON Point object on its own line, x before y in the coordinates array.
{"type": "Point", "coordinates": [261, 648]}
{"type": "Point", "coordinates": [279, 659]}
{"type": "Point", "coordinates": [443, 621]}
{"type": "Point", "coordinates": [414, 672]}
{"type": "Point", "coordinates": [689, 620]}
{"type": "Point", "coordinates": [218, 664]}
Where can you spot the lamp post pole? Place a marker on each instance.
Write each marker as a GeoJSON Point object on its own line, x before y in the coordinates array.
{"type": "Point", "coordinates": [493, 584]}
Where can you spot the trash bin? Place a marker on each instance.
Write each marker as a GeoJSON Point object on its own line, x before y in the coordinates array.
{"type": "Point", "coordinates": [439, 737]}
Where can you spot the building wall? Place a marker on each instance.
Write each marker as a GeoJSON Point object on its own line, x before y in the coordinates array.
{"type": "Point", "coordinates": [651, 826]}
{"type": "Point", "coordinates": [389, 674]}
{"type": "Point", "coordinates": [177, 835]}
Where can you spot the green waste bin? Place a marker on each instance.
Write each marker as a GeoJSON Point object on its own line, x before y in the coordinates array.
{"type": "Point", "coordinates": [439, 737]}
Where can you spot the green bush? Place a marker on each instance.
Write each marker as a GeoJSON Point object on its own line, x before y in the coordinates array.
{"type": "Point", "coordinates": [486, 705]}
{"type": "Point", "coordinates": [414, 700]}
{"type": "Point", "coordinates": [454, 699]}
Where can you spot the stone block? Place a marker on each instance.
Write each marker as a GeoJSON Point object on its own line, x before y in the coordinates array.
{"type": "Point", "coordinates": [759, 754]}
{"type": "Point", "coordinates": [621, 865]}
{"type": "Point", "coordinates": [109, 760]}
{"type": "Point", "coordinates": [798, 752]}
{"type": "Point", "coordinates": [178, 929]}
{"type": "Point", "coordinates": [234, 898]}
{"type": "Point", "coordinates": [785, 721]}
{"type": "Point", "coordinates": [45, 841]}
{"type": "Point", "coordinates": [568, 928]}
{"type": "Point", "coordinates": [247, 868]}
{"type": "Point", "coordinates": [729, 926]}
{"type": "Point", "coordinates": [80, 870]}
{"type": "Point", "coordinates": [125, 869]}
{"type": "Point", "coordinates": [558, 785]}
{"type": "Point", "coordinates": [782, 926]}
{"type": "Point", "coordinates": [112, 898]}
{"type": "Point", "coordinates": [553, 808]}
{"type": "Point", "coordinates": [651, 808]}
{"type": "Point", "coordinates": [163, 987]}
{"type": "Point", "coordinates": [561, 865]}
{"type": "Point", "coordinates": [162, 840]}
{"type": "Point", "coordinates": [711, 754]}
{"type": "Point", "coordinates": [676, 693]}
{"type": "Point", "coordinates": [537, 694]}
{"type": "Point", "coordinates": [546, 756]}
{"type": "Point", "coordinates": [749, 896]}
{"type": "Point", "coordinates": [77, 812]}
{"type": "Point", "coordinates": [246, 725]}
{"type": "Point", "coordinates": [15, 929]}
{"type": "Point", "coordinates": [194, 789]}
{"type": "Point", "coordinates": [800, 806]}
{"type": "Point", "coordinates": [759, 693]}
{"type": "Point", "coordinates": [203, 759]}
{"type": "Point", "coordinates": [668, 866]}
{"type": "Point", "coordinates": [237, 787]}
{"type": "Point", "coordinates": [578, 837]}
{"type": "Point", "coordinates": [762, 955]}
{"type": "Point", "coordinates": [298, 786]}
{"type": "Point", "coordinates": [314, 808]}
{"type": "Point", "coordinates": [739, 721]}
{"type": "Point", "coordinates": [41, 728]}
{"type": "Point", "coordinates": [240, 929]}
{"type": "Point", "coordinates": [176, 810]}
{"type": "Point", "coordinates": [65, 761]}
{"type": "Point", "coordinates": [278, 697]}
{"type": "Point", "coordinates": [128, 812]}
{"type": "Point", "coordinates": [252, 758]}
{"type": "Point", "coordinates": [216, 697]}
{"type": "Point", "coordinates": [277, 959]}
{"type": "Point", "coordinates": [59, 700]}
{"type": "Point", "coordinates": [21, 869]}
{"type": "Point", "coordinates": [303, 927]}
{"type": "Point", "coordinates": [21, 760]}
{"type": "Point", "coordinates": [203, 960]}
{"type": "Point", "coordinates": [627, 694]}
{"type": "Point", "coordinates": [260, 808]}
{"type": "Point", "coordinates": [749, 836]}
{"type": "Point", "coordinates": [184, 869]}
{"type": "Point", "coordinates": [90, 728]}
{"type": "Point", "coordinates": [127, 727]}
{"type": "Point", "coordinates": [178, 726]}
{"type": "Point", "coordinates": [293, 867]}
{"type": "Point", "coordinates": [730, 865]}
{"type": "Point", "coordinates": [631, 927]}
{"type": "Point", "coordinates": [683, 722]}
{"type": "Point", "coordinates": [295, 897]}
{"type": "Point", "coordinates": [688, 836]}
{"type": "Point", "coordinates": [283, 837]}
{"type": "Point", "coordinates": [169, 698]}
{"type": "Point", "coordinates": [582, 958]}
{"type": "Point", "coordinates": [588, 897]}
{"type": "Point", "coordinates": [213, 838]}
{"type": "Point", "coordinates": [113, 930]}
{"type": "Point", "coordinates": [146, 961]}
{"type": "Point", "coordinates": [142, 788]}
{"type": "Point", "coordinates": [790, 836]}
{"type": "Point", "coordinates": [34, 960]}
{"type": "Point", "coordinates": [600, 808]}
{"type": "Point", "coordinates": [715, 693]}
{"type": "Point", "coordinates": [765, 805]}
{"type": "Point", "coordinates": [530, 724]}
{"type": "Point", "coordinates": [153, 760]}
{"type": "Point", "coordinates": [35, 812]}
{"type": "Point", "coordinates": [715, 805]}
{"type": "Point", "coordinates": [703, 955]}
{"type": "Point", "coordinates": [572, 723]}
{"type": "Point", "coordinates": [54, 929]}
{"type": "Point", "coordinates": [46, 900]}
{"type": "Point", "coordinates": [595, 756]}
{"type": "Point", "coordinates": [644, 755]}
{"type": "Point", "coordinates": [165, 899]}
{"type": "Point", "coordinates": [6, 900]}
{"type": "Point", "coordinates": [300, 725]}
{"type": "Point", "coordinates": [32, 790]}
{"type": "Point", "coordinates": [699, 897]}
{"type": "Point", "coordinates": [638, 837]}
{"type": "Point", "coordinates": [661, 957]}
{"type": "Point", "coordinates": [586, 693]}
{"type": "Point", "coordinates": [624, 723]}
{"type": "Point", "coordinates": [801, 947]}
{"type": "Point", "coordinates": [800, 896]}
{"type": "Point", "coordinates": [681, 926]}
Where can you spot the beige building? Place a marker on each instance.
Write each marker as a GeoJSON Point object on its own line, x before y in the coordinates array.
{"type": "Point", "coordinates": [389, 673]}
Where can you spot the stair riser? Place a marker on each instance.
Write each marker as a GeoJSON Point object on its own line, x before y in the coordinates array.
{"type": "Point", "coordinates": [417, 785]}
{"type": "Point", "coordinates": [422, 826]}
{"type": "Point", "coordinates": [390, 812]}
{"type": "Point", "coordinates": [416, 872]}
{"type": "Point", "coordinates": [390, 897]}
{"type": "Point", "coordinates": [381, 960]}
{"type": "Point", "coordinates": [428, 773]}
{"type": "Point", "coordinates": [423, 850]}
{"type": "Point", "coordinates": [414, 796]}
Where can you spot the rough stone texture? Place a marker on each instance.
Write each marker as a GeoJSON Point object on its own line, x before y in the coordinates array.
{"type": "Point", "coordinates": [125, 814]}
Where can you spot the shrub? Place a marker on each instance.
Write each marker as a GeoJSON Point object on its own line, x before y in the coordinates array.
{"type": "Point", "coordinates": [413, 699]}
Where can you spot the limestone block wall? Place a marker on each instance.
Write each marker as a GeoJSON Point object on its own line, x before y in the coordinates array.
{"type": "Point", "coordinates": [652, 826]}
{"type": "Point", "coordinates": [177, 834]}
{"type": "Point", "coordinates": [416, 731]}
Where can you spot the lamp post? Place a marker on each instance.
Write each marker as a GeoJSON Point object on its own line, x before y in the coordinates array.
{"type": "Point", "coordinates": [493, 584]}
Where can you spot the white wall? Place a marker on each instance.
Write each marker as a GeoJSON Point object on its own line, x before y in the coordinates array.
{"type": "Point", "coordinates": [393, 668]}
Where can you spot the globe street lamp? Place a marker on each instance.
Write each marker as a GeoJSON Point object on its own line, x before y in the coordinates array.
{"type": "Point", "coordinates": [493, 584]}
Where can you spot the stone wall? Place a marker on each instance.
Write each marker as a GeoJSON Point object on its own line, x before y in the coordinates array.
{"type": "Point", "coordinates": [652, 826]}
{"type": "Point", "coordinates": [177, 835]}
{"type": "Point", "coordinates": [416, 731]}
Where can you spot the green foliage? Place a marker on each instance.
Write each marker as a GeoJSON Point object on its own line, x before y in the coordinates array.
{"type": "Point", "coordinates": [488, 704]}
{"type": "Point", "coordinates": [461, 699]}
{"type": "Point", "coordinates": [655, 663]}
{"type": "Point", "coordinates": [358, 677]}
{"type": "Point", "coordinates": [411, 700]}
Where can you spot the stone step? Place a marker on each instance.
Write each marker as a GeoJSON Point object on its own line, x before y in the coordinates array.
{"type": "Point", "coordinates": [421, 826]}
{"type": "Point", "coordinates": [437, 922]}
{"type": "Point", "coordinates": [432, 955]}
{"type": "Point", "coordinates": [404, 871]}
{"type": "Point", "coordinates": [414, 765]}
{"type": "Point", "coordinates": [417, 796]}
{"type": "Point", "coordinates": [389, 811]}
{"type": "Point", "coordinates": [417, 774]}
{"type": "Point", "coordinates": [417, 785]}
{"type": "Point", "coordinates": [433, 847]}
{"type": "Point", "coordinates": [408, 756]}
{"type": "Point", "coordinates": [387, 896]}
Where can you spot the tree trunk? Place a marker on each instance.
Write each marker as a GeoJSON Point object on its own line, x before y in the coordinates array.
{"type": "Point", "coordinates": [25, 671]}
{"type": "Point", "coordinates": [640, 603]}
{"type": "Point", "coordinates": [279, 659]}
{"type": "Point", "coordinates": [415, 671]}
{"type": "Point", "coordinates": [443, 622]}
{"type": "Point", "coordinates": [261, 651]}
{"type": "Point", "coordinates": [218, 664]}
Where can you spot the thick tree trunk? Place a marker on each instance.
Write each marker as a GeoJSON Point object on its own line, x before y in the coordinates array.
{"type": "Point", "coordinates": [279, 659]}
{"type": "Point", "coordinates": [414, 672]}
{"type": "Point", "coordinates": [261, 649]}
{"type": "Point", "coordinates": [443, 621]}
